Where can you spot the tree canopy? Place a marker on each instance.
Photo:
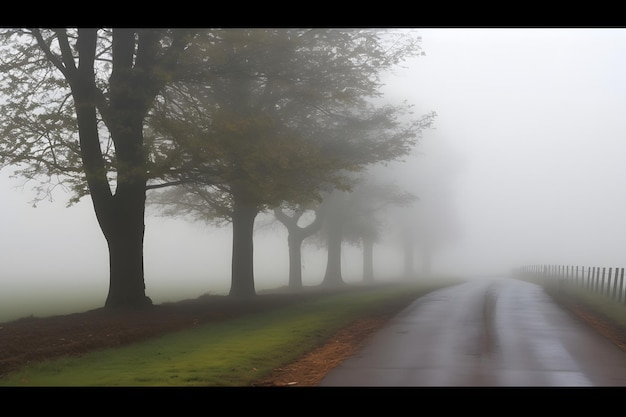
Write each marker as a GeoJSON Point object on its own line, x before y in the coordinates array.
{"type": "Point", "coordinates": [284, 116]}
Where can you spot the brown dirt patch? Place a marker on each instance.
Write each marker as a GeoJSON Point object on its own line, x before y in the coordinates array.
{"type": "Point", "coordinates": [313, 367]}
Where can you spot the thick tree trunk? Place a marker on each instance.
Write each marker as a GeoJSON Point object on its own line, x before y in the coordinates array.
{"type": "Point", "coordinates": [126, 283]}
{"type": "Point", "coordinates": [333, 266]}
{"type": "Point", "coordinates": [125, 237]}
{"type": "Point", "coordinates": [242, 278]}
{"type": "Point", "coordinates": [368, 260]}
{"type": "Point", "coordinates": [121, 219]}
{"type": "Point", "coordinates": [295, 260]}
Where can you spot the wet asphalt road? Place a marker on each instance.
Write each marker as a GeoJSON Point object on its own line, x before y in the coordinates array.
{"type": "Point", "coordinates": [491, 332]}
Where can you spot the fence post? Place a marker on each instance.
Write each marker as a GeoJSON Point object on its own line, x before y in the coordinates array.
{"type": "Point", "coordinates": [621, 286]}
{"type": "Point", "coordinates": [614, 295]}
{"type": "Point", "coordinates": [592, 280]}
{"type": "Point", "coordinates": [598, 280]}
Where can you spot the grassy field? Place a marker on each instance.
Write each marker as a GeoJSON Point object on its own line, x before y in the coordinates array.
{"type": "Point", "coordinates": [602, 306]}
{"type": "Point", "coordinates": [235, 352]}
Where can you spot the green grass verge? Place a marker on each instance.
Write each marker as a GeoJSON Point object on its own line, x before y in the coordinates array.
{"type": "Point", "coordinates": [601, 305]}
{"type": "Point", "coordinates": [236, 352]}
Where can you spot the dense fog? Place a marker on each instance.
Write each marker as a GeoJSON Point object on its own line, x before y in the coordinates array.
{"type": "Point", "coordinates": [525, 165]}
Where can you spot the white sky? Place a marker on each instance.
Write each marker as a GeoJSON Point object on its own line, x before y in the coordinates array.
{"type": "Point", "coordinates": [537, 115]}
{"type": "Point", "coordinates": [540, 116]}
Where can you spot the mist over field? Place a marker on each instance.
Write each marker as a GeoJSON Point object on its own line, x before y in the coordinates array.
{"type": "Point", "coordinates": [525, 165]}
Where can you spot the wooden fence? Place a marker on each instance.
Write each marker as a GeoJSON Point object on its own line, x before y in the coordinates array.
{"type": "Point", "coordinates": [608, 282]}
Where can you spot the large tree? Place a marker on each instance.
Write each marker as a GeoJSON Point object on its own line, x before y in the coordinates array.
{"type": "Point", "coordinates": [73, 108]}
{"type": "Point", "coordinates": [286, 114]}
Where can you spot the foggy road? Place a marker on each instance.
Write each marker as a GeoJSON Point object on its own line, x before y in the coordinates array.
{"type": "Point", "coordinates": [496, 332]}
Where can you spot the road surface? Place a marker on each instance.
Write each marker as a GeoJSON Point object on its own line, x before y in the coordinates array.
{"type": "Point", "coordinates": [490, 332]}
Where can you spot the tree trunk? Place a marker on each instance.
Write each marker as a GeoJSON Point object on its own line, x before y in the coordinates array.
{"type": "Point", "coordinates": [333, 266]}
{"type": "Point", "coordinates": [122, 222]}
{"type": "Point", "coordinates": [295, 260]}
{"type": "Point", "coordinates": [125, 242]}
{"type": "Point", "coordinates": [242, 278]}
{"type": "Point", "coordinates": [295, 237]}
{"type": "Point", "coordinates": [368, 260]}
